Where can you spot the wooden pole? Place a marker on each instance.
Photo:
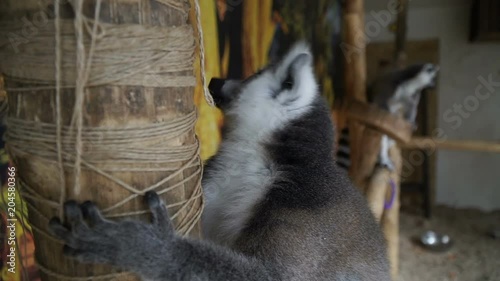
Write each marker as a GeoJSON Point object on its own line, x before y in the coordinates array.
{"type": "Point", "coordinates": [376, 191]}
{"type": "Point", "coordinates": [365, 141]}
{"type": "Point", "coordinates": [105, 106]}
{"type": "Point", "coordinates": [461, 145]}
{"type": "Point", "coordinates": [354, 49]}
{"type": "Point", "coordinates": [401, 33]}
{"type": "Point", "coordinates": [390, 219]}
{"type": "Point", "coordinates": [366, 147]}
{"type": "Point", "coordinates": [368, 153]}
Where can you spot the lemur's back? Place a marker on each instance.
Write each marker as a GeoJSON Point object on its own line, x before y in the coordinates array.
{"type": "Point", "coordinates": [273, 190]}
{"type": "Point", "coordinates": [312, 222]}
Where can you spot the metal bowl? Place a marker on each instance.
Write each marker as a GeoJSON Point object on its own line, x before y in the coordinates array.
{"type": "Point", "coordinates": [435, 241]}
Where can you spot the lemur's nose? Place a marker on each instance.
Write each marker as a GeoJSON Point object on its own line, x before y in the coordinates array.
{"type": "Point", "coordinates": [215, 86]}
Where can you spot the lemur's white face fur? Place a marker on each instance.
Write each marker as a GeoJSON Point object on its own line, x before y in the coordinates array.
{"type": "Point", "coordinates": [427, 77]}
{"type": "Point", "coordinates": [422, 77]}
{"type": "Point", "coordinates": [274, 95]}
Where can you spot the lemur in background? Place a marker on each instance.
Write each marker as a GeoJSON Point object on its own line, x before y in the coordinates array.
{"type": "Point", "coordinates": [277, 205]}
{"type": "Point", "coordinates": [399, 93]}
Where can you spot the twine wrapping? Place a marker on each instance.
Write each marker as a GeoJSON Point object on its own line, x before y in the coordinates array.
{"type": "Point", "coordinates": [125, 54]}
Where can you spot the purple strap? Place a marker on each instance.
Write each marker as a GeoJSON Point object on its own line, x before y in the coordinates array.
{"type": "Point", "coordinates": [388, 205]}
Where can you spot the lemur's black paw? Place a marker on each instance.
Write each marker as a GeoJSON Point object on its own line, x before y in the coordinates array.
{"type": "Point", "coordinates": [152, 199]}
{"type": "Point", "coordinates": [91, 213]}
{"type": "Point", "coordinates": [159, 213]}
{"type": "Point", "coordinates": [90, 238]}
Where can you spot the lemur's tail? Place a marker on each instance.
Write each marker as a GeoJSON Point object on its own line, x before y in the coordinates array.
{"type": "Point", "coordinates": [343, 151]}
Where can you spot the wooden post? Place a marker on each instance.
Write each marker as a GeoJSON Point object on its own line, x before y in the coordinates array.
{"type": "Point", "coordinates": [354, 49]}
{"type": "Point", "coordinates": [367, 126]}
{"type": "Point", "coordinates": [106, 106]}
{"type": "Point", "coordinates": [401, 30]}
{"type": "Point", "coordinates": [374, 182]}
{"type": "Point", "coordinates": [390, 219]}
{"type": "Point", "coordinates": [376, 191]}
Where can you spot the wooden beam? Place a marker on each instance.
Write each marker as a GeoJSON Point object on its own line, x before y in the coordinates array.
{"type": "Point", "coordinates": [379, 119]}
{"type": "Point", "coordinates": [461, 145]}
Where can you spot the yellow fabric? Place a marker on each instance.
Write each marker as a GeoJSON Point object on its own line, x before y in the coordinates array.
{"type": "Point", "coordinates": [209, 118]}
{"type": "Point", "coordinates": [258, 30]}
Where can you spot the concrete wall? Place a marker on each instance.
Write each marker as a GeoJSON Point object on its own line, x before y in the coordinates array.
{"type": "Point", "coordinates": [467, 108]}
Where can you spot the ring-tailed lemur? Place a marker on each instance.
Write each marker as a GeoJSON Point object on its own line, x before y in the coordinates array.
{"type": "Point", "coordinates": [399, 93]}
{"type": "Point", "coordinates": [277, 206]}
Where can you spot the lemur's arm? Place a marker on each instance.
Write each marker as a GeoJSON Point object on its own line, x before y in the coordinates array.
{"type": "Point", "coordinates": [153, 251]}
{"type": "Point", "coordinates": [411, 111]}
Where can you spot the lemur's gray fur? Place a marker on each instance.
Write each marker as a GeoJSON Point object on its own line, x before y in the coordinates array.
{"type": "Point", "coordinates": [277, 205]}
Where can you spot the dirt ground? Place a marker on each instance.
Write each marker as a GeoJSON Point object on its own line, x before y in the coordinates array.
{"type": "Point", "coordinates": [475, 256]}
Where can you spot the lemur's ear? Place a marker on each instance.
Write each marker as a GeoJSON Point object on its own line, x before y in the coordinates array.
{"type": "Point", "coordinates": [294, 61]}
{"type": "Point", "coordinates": [300, 61]}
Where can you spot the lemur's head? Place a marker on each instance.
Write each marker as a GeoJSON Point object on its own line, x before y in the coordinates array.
{"type": "Point", "coordinates": [419, 76]}
{"type": "Point", "coordinates": [268, 99]}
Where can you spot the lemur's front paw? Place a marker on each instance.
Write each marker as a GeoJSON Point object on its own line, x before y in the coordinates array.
{"type": "Point", "coordinates": [90, 238]}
